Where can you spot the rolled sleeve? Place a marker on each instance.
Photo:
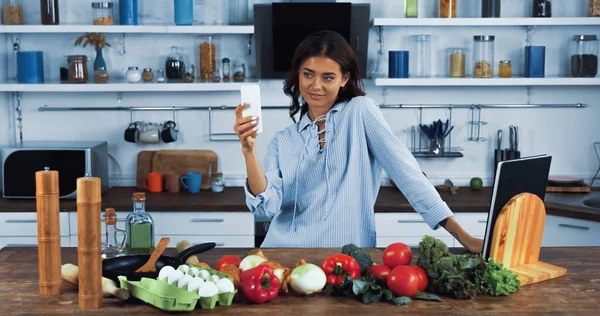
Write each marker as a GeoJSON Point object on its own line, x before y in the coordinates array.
{"type": "Point", "coordinates": [435, 215]}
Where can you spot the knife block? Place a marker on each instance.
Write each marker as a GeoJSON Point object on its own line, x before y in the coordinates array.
{"type": "Point", "coordinates": [517, 239]}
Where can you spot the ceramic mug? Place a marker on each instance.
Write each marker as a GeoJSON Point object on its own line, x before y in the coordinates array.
{"type": "Point", "coordinates": [169, 133]}
{"type": "Point", "coordinates": [154, 182]}
{"type": "Point", "coordinates": [150, 136]}
{"type": "Point", "coordinates": [192, 181]}
{"type": "Point", "coordinates": [132, 133]}
{"type": "Point", "coordinates": [172, 183]}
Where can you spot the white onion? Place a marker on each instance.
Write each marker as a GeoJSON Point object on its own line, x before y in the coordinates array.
{"type": "Point", "coordinates": [307, 278]}
{"type": "Point", "coordinates": [251, 261]}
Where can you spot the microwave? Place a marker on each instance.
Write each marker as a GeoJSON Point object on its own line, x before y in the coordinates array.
{"type": "Point", "coordinates": [72, 160]}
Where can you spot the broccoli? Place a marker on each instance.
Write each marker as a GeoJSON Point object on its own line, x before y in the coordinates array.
{"type": "Point", "coordinates": [362, 257]}
{"type": "Point", "coordinates": [430, 250]}
{"type": "Point", "coordinates": [443, 264]}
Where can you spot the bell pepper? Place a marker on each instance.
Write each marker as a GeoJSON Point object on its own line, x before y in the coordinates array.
{"type": "Point", "coordinates": [338, 266]}
{"type": "Point", "coordinates": [259, 284]}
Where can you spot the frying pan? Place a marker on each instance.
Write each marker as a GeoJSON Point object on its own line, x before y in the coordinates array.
{"type": "Point", "coordinates": [126, 265]}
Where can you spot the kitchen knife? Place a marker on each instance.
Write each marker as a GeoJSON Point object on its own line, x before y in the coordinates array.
{"type": "Point", "coordinates": [498, 153]}
{"type": "Point", "coordinates": [511, 136]}
{"type": "Point", "coordinates": [499, 145]}
{"type": "Point", "coordinates": [450, 186]}
{"type": "Point", "coordinates": [516, 141]}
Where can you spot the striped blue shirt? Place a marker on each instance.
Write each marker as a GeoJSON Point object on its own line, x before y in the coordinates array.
{"type": "Point", "coordinates": [321, 198]}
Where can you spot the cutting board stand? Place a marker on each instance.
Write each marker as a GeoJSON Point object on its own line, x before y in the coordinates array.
{"type": "Point", "coordinates": [517, 239]}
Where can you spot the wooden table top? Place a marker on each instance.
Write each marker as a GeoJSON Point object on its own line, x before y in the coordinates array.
{"type": "Point", "coordinates": [577, 292]}
{"type": "Point", "coordinates": [232, 199]}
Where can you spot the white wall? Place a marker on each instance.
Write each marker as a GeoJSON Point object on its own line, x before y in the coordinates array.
{"type": "Point", "coordinates": [566, 134]}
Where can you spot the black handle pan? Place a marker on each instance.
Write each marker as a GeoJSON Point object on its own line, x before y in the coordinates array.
{"type": "Point", "coordinates": [126, 265]}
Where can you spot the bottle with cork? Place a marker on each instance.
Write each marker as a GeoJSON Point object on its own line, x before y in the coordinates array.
{"type": "Point", "coordinates": [112, 247]}
{"type": "Point", "coordinates": [139, 228]}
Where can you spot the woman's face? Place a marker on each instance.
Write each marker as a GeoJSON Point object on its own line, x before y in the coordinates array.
{"type": "Point", "coordinates": [320, 81]}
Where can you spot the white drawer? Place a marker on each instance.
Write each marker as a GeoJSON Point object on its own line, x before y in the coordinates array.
{"type": "Point", "coordinates": [473, 223]}
{"type": "Point", "coordinates": [221, 241]}
{"type": "Point", "coordinates": [570, 232]}
{"type": "Point", "coordinates": [383, 242]}
{"type": "Point", "coordinates": [405, 225]}
{"type": "Point", "coordinates": [208, 223]}
{"type": "Point", "coordinates": [121, 217]}
{"type": "Point", "coordinates": [74, 241]}
{"type": "Point", "coordinates": [25, 224]}
{"type": "Point", "coordinates": [28, 242]}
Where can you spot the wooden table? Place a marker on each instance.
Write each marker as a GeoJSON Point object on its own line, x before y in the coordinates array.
{"type": "Point", "coordinates": [577, 292]}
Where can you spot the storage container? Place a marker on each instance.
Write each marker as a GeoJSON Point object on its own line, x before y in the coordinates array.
{"type": "Point", "coordinates": [102, 13]}
{"type": "Point", "coordinates": [583, 54]}
{"type": "Point", "coordinates": [49, 13]}
{"type": "Point", "coordinates": [505, 69]}
{"type": "Point", "coordinates": [490, 8]}
{"type": "Point", "coordinates": [128, 12]}
{"type": "Point", "coordinates": [483, 56]}
{"type": "Point", "coordinates": [238, 12]}
{"type": "Point", "coordinates": [411, 8]}
{"type": "Point", "coordinates": [12, 12]}
{"type": "Point", "coordinates": [78, 72]}
{"type": "Point", "coordinates": [420, 60]}
{"type": "Point", "coordinates": [541, 9]}
{"type": "Point", "coordinates": [457, 59]}
{"type": "Point", "coordinates": [184, 12]}
{"type": "Point", "coordinates": [594, 8]}
{"type": "Point", "coordinates": [447, 8]}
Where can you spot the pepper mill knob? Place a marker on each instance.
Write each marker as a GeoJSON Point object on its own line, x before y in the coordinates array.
{"type": "Point", "coordinates": [46, 168]}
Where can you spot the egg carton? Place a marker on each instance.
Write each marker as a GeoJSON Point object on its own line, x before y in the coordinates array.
{"type": "Point", "coordinates": [224, 299]}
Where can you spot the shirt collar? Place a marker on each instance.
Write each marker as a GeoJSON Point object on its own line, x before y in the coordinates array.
{"type": "Point", "coordinates": [305, 120]}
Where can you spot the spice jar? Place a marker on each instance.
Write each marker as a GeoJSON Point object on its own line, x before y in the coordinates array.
{"type": "Point", "coordinates": [483, 56]}
{"type": "Point", "coordinates": [147, 75]}
{"type": "Point", "coordinates": [13, 12]}
{"type": "Point", "coordinates": [447, 8]}
{"type": "Point", "coordinates": [190, 74]}
{"type": "Point", "coordinates": [226, 69]}
{"type": "Point", "coordinates": [78, 72]}
{"type": "Point", "coordinates": [593, 8]}
{"type": "Point", "coordinates": [216, 183]}
{"type": "Point", "coordinates": [505, 69]}
{"type": "Point", "coordinates": [457, 61]}
{"type": "Point", "coordinates": [102, 13]}
{"type": "Point", "coordinates": [133, 75]}
{"type": "Point", "coordinates": [101, 75]}
{"type": "Point", "coordinates": [240, 73]}
{"type": "Point", "coordinates": [208, 53]}
{"type": "Point", "coordinates": [160, 76]}
{"type": "Point", "coordinates": [216, 77]}
{"type": "Point", "coordinates": [584, 56]}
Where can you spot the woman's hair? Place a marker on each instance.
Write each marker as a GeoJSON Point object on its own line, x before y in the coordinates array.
{"type": "Point", "coordinates": [327, 44]}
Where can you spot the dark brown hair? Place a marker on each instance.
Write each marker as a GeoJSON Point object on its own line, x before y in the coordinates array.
{"type": "Point", "coordinates": [328, 44]}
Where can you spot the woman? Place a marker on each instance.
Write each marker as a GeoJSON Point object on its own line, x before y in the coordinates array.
{"type": "Point", "coordinates": [323, 173]}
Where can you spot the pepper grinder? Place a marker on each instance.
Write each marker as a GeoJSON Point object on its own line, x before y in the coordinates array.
{"type": "Point", "coordinates": [48, 222]}
{"type": "Point", "coordinates": [89, 249]}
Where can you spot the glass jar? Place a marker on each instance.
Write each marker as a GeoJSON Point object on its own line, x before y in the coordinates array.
{"type": "Point", "coordinates": [101, 75]}
{"type": "Point", "coordinates": [584, 56]}
{"type": "Point", "coordinates": [238, 12]}
{"type": "Point", "coordinates": [216, 183]}
{"type": "Point", "coordinates": [447, 8]}
{"type": "Point", "coordinates": [111, 246]}
{"type": "Point", "coordinates": [174, 66]}
{"type": "Point", "coordinates": [190, 74]}
{"type": "Point", "coordinates": [226, 64]}
{"type": "Point", "coordinates": [505, 69]}
{"type": "Point", "coordinates": [78, 72]}
{"type": "Point", "coordinates": [240, 73]}
{"type": "Point", "coordinates": [12, 12]}
{"type": "Point", "coordinates": [483, 56]}
{"type": "Point", "coordinates": [133, 75]}
{"type": "Point", "coordinates": [49, 12]}
{"type": "Point", "coordinates": [420, 56]}
{"type": "Point", "coordinates": [541, 9]}
{"type": "Point", "coordinates": [411, 8]}
{"type": "Point", "coordinates": [139, 228]}
{"type": "Point", "coordinates": [457, 61]}
{"type": "Point", "coordinates": [160, 76]}
{"type": "Point", "coordinates": [212, 12]}
{"type": "Point", "coordinates": [147, 75]}
{"type": "Point", "coordinates": [593, 8]}
{"type": "Point", "coordinates": [490, 8]}
{"type": "Point", "coordinates": [208, 54]}
{"type": "Point", "coordinates": [216, 77]}
{"type": "Point", "coordinates": [102, 13]}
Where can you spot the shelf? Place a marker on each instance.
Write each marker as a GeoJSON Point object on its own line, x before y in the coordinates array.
{"type": "Point", "coordinates": [431, 155]}
{"type": "Point", "coordinates": [444, 81]}
{"type": "Point", "coordinates": [574, 21]}
{"type": "Point", "coordinates": [156, 29]}
{"type": "Point", "coordinates": [121, 86]}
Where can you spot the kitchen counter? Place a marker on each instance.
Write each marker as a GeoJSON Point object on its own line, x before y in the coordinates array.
{"type": "Point", "coordinates": [575, 292]}
{"type": "Point", "coordinates": [233, 200]}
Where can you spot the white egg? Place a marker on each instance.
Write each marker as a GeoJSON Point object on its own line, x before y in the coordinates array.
{"type": "Point", "coordinates": [164, 272]}
{"type": "Point", "coordinates": [204, 274]}
{"type": "Point", "coordinates": [193, 271]}
{"type": "Point", "coordinates": [225, 286]}
{"type": "Point", "coordinates": [183, 282]}
{"type": "Point", "coordinates": [208, 289]}
{"type": "Point", "coordinates": [195, 284]}
{"type": "Point", "coordinates": [214, 278]}
{"type": "Point", "coordinates": [184, 268]}
{"type": "Point", "coordinates": [174, 276]}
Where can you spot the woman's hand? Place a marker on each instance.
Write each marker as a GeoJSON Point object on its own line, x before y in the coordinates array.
{"type": "Point", "coordinates": [474, 245]}
{"type": "Point", "coordinates": [245, 128]}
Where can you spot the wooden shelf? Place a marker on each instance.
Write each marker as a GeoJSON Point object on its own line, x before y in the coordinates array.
{"type": "Point", "coordinates": [155, 29]}
{"type": "Point", "coordinates": [516, 81]}
{"type": "Point", "coordinates": [570, 21]}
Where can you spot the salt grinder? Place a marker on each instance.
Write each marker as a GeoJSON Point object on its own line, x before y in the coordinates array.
{"type": "Point", "coordinates": [48, 222]}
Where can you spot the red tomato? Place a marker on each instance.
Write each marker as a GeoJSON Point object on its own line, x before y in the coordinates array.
{"type": "Point", "coordinates": [228, 259]}
{"type": "Point", "coordinates": [403, 281]}
{"type": "Point", "coordinates": [422, 274]}
{"type": "Point", "coordinates": [397, 254]}
{"type": "Point", "coordinates": [379, 270]}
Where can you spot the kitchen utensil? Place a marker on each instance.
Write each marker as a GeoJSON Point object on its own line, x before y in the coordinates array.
{"type": "Point", "coordinates": [154, 182]}
{"type": "Point", "coordinates": [70, 273]}
{"type": "Point", "coordinates": [160, 248]}
{"type": "Point", "coordinates": [445, 188]}
{"type": "Point", "coordinates": [498, 152]}
{"type": "Point", "coordinates": [516, 142]}
{"type": "Point", "coordinates": [126, 265]}
{"type": "Point", "coordinates": [564, 180]}
{"type": "Point", "coordinates": [144, 166]}
{"type": "Point", "coordinates": [182, 161]}
{"type": "Point", "coordinates": [450, 185]}
{"type": "Point", "coordinates": [48, 223]}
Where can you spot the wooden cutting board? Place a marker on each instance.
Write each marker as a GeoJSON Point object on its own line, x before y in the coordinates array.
{"type": "Point", "coordinates": [182, 161]}
{"type": "Point", "coordinates": [570, 189]}
{"type": "Point", "coordinates": [144, 166]}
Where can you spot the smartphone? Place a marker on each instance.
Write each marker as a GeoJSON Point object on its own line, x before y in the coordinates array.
{"type": "Point", "coordinates": [250, 94]}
